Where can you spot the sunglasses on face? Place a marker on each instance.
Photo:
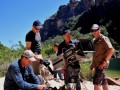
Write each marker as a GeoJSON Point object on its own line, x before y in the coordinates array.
{"type": "Point", "coordinates": [94, 30]}
{"type": "Point", "coordinates": [68, 34]}
{"type": "Point", "coordinates": [36, 28]}
{"type": "Point", "coordinates": [26, 57]}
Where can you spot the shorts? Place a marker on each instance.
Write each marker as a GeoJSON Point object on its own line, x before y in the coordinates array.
{"type": "Point", "coordinates": [36, 67]}
{"type": "Point", "coordinates": [99, 77]}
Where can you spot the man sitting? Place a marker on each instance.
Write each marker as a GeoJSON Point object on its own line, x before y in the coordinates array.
{"type": "Point", "coordinates": [20, 74]}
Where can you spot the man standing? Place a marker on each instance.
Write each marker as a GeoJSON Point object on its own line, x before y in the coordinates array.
{"type": "Point", "coordinates": [58, 71]}
{"type": "Point", "coordinates": [73, 67]}
{"type": "Point", "coordinates": [103, 52]}
{"type": "Point", "coordinates": [20, 75]}
{"type": "Point", "coordinates": [33, 43]}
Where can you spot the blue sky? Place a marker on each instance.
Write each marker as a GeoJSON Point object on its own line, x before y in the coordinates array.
{"type": "Point", "coordinates": [17, 16]}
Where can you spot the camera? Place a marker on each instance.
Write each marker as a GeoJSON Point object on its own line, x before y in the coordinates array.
{"type": "Point", "coordinates": [78, 50]}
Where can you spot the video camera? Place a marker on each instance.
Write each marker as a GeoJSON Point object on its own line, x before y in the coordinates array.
{"type": "Point", "coordinates": [78, 50]}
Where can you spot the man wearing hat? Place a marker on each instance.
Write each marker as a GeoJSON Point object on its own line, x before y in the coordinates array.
{"type": "Point", "coordinates": [103, 52]}
{"type": "Point", "coordinates": [64, 46]}
{"type": "Point", "coordinates": [20, 75]}
{"type": "Point", "coordinates": [33, 43]}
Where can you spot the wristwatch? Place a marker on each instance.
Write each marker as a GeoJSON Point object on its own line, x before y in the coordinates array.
{"type": "Point", "coordinates": [106, 61]}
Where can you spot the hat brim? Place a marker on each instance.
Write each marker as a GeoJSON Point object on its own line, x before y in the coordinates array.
{"type": "Point", "coordinates": [95, 28]}
{"type": "Point", "coordinates": [32, 59]}
{"type": "Point", "coordinates": [67, 32]}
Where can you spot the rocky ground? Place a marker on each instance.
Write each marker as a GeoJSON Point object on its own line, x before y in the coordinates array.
{"type": "Point", "coordinates": [86, 85]}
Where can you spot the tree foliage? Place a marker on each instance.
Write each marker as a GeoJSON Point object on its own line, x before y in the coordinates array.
{"type": "Point", "coordinates": [7, 55]}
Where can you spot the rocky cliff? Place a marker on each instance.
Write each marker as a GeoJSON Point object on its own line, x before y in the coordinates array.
{"type": "Point", "coordinates": [106, 13]}
{"type": "Point", "coordinates": [54, 25]}
{"type": "Point", "coordinates": [95, 11]}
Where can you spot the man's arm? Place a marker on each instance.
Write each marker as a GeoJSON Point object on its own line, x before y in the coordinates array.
{"type": "Point", "coordinates": [110, 49]}
{"type": "Point", "coordinates": [59, 50]}
{"type": "Point", "coordinates": [17, 76]}
{"type": "Point", "coordinates": [28, 45]}
{"type": "Point", "coordinates": [109, 54]}
{"type": "Point", "coordinates": [107, 59]}
{"type": "Point", "coordinates": [35, 79]}
{"type": "Point", "coordinates": [28, 39]}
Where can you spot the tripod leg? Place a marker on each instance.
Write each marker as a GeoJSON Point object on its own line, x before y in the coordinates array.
{"type": "Point", "coordinates": [81, 80]}
{"type": "Point", "coordinates": [84, 86]}
{"type": "Point", "coordinates": [78, 85]}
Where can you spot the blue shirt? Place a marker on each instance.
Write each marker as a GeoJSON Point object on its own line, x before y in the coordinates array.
{"type": "Point", "coordinates": [15, 80]}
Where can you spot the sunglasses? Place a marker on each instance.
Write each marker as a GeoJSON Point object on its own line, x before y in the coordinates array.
{"type": "Point", "coordinates": [94, 30]}
{"type": "Point", "coordinates": [36, 28]}
{"type": "Point", "coordinates": [26, 58]}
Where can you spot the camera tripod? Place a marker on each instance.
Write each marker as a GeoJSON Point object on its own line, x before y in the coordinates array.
{"type": "Point", "coordinates": [74, 78]}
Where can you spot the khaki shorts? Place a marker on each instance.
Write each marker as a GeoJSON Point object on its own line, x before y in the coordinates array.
{"type": "Point", "coordinates": [37, 66]}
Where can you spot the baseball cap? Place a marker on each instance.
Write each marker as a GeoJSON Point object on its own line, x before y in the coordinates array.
{"type": "Point", "coordinates": [37, 24]}
{"type": "Point", "coordinates": [30, 55]}
{"type": "Point", "coordinates": [95, 27]}
{"type": "Point", "coordinates": [67, 31]}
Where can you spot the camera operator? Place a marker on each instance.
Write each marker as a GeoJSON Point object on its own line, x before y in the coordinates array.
{"type": "Point", "coordinates": [63, 46]}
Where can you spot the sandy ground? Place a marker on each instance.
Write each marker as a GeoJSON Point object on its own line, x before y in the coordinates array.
{"type": "Point", "coordinates": [86, 85]}
{"type": "Point", "coordinates": [1, 83]}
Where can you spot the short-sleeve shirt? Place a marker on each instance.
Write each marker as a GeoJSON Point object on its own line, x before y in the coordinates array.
{"type": "Point", "coordinates": [101, 46]}
{"type": "Point", "coordinates": [36, 41]}
{"type": "Point", "coordinates": [63, 47]}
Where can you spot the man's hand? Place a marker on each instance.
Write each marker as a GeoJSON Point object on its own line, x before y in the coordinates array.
{"type": "Point", "coordinates": [91, 67]}
{"type": "Point", "coordinates": [102, 65]}
{"type": "Point", "coordinates": [40, 87]}
{"type": "Point", "coordinates": [63, 71]}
